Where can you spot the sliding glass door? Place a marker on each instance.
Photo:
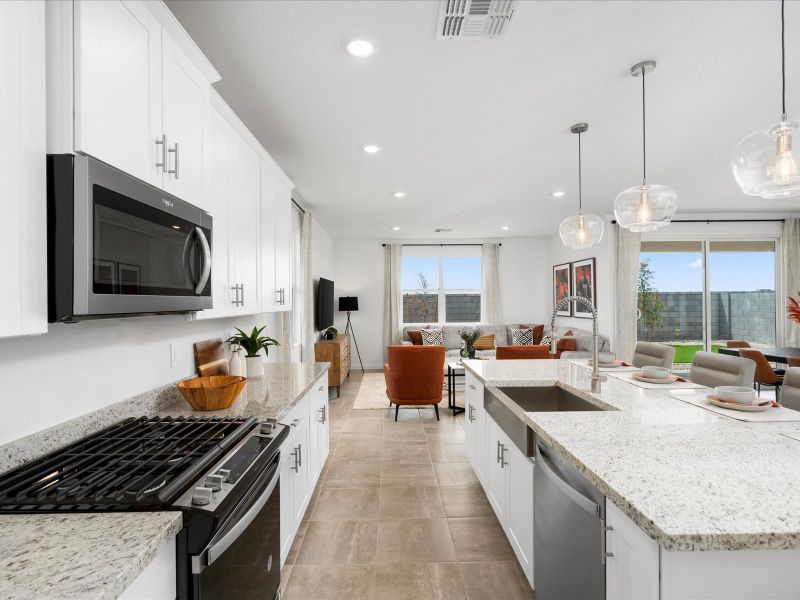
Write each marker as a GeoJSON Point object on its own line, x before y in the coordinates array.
{"type": "Point", "coordinates": [699, 294]}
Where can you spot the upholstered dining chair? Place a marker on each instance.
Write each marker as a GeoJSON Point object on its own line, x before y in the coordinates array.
{"type": "Point", "coordinates": [515, 352]}
{"type": "Point", "coordinates": [790, 397]}
{"type": "Point", "coordinates": [793, 361]}
{"type": "Point", "coordinates": [711, 369]}
{"type": "Point", "coordinates": [650, 354]}
{"type": "Point", "coordinates": [764, 373]}
{"type": "Point", "coordinates": [414, 376]}
{"type": "Point", "coordinates": [737, 344]}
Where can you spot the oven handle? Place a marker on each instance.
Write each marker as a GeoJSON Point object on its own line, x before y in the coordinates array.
{"type": "Point", "coordinates": [206, 260]}
{"type": "Point", "coordinates": [217, 548]}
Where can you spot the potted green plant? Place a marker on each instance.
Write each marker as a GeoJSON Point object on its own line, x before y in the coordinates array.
{"type": "Point", "coordinates": [331, 333]}
{"type": "Point", "coordinates": [468, 338]}
{"type": "Point", "coordinates": [252, 344]}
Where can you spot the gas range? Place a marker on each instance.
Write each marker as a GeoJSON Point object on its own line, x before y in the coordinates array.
{"type": "Point", "coordinates": [222, 473]}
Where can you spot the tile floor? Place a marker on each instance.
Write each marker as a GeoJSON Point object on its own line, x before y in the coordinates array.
{"type": "Point", "coordinates": [399, 514]}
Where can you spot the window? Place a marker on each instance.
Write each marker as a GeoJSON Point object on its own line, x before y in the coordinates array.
{"type": "Point", "coordinates": [697, 295]}
{"type": "Point", "coordinates": [442, 288]}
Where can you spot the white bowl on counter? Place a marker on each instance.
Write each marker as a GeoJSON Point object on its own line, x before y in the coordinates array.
{"type": "Point", "coordinates": [735, 393]}
{"type": "Point", "coordinates": [655, 372]}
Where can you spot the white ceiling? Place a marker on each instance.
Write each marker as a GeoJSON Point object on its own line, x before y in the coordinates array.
{"type": "Point", "coordinates": [482, 126]}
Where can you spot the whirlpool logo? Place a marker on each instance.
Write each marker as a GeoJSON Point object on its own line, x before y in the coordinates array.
{"type": "Point", "coordinates": [168, 203]}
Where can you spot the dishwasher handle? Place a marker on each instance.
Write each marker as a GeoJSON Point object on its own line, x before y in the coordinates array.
{"type": "Point", "coordinates": [547, 469]}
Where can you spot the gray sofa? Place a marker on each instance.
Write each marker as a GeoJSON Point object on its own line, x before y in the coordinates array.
{"type": "Point", "coordinates": [502, 337]}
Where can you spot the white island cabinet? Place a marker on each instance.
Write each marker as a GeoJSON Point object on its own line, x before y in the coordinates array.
{"type": "Point", "coordinates": [23, 245]}
{"type": "Point", "coordinates": [631, 560]}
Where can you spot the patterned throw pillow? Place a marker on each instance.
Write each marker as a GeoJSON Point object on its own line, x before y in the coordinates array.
{"type": "Point", "coordinates": [485, 342]}
{"type": "Point", "coordinates": [521, 337]}
{"type": "Point", "coordinates": [432, 337]}
{"type": "Point", "coordinates": [546, 340]}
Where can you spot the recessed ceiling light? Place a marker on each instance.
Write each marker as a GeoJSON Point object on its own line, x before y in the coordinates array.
{"type": "Point", "coordinates": [558, 193]}
{"type": "Point", "coordinates": [505, 228]}
{"type": "Point", "coordinates": [360, 47]}
{"type": "Point", "coordinates": [395, 228]}
{"type": "Point", "coordinates": [371, 148]}
{"type": "Point", "coordinates": [399, 194]}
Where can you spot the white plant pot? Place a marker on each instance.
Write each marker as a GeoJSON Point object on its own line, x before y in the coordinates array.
{"type": "Point", "coordinates": [255, 367]}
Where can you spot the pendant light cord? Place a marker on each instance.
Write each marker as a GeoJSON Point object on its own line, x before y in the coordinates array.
{"type": "Point", "coordinates": [644, 135]}
{"type": "Point", "coordinates": [783, 62]}
{"type": "Point", "coordinates": [580, 183]}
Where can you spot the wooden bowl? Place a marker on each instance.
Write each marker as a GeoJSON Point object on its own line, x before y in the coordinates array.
{"type": "Point", "coordinates": [211, 393]}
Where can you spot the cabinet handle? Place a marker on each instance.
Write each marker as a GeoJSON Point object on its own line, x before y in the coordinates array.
{"type": "Point", "coordinates": [294, 423]}
{"type": "Point", "coordinates": [503, 461]}
{"type": "Point", "coordinates": [472, 387]}
{"type": "Point", "coordinates": [176, 170]}
{"type": "Point", "coordinates": [320, 388]}
{"type": "Point", "coordinates": [295, 454]}
{"type": "Point", "coordinates": [241, 289]}
{"type": "Point", "coordinates": [322, 412]}
{"type": "Point", "coordinates": [471, 415]}
{"type": "Point", "coordinates": [236, 289]}
{"type": "Point", "coordinates": [604, 553]}
{"type": "Point", "coordinates": [163, 143]}
{"type": "Point", "coordinates": [498, 451]}
{"type": "Point", "coordinates": [300, 455]}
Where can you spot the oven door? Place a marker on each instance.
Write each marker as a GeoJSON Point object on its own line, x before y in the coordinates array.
{"type": "Point", "coordinates": [137, 248]}
{"type": "Point", "coordinates": [243, 559]}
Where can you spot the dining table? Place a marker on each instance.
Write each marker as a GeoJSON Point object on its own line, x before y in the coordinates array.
{"type": "Point", "coordinates": [778, 355]}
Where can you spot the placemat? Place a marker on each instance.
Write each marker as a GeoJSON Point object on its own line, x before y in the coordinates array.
{"type": "Point", "coordinates": [678, 385]}
{"type": "Point", "coordinates": [768, 416]}
{"type": "Point", "coordinates": [582, 362]}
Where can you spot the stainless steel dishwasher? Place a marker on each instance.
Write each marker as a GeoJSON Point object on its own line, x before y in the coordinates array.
{"type": "Point", "coordinates": [569, 531]}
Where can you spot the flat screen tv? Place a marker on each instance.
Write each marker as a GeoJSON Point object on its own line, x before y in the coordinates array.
{"type": "Point", "coordinates": [324, 304]}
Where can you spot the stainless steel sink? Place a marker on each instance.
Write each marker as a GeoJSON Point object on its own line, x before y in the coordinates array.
{"type": "Point", "coordinates": [546, 399]}
{"type": "Point", "coordinates": [529, 399]}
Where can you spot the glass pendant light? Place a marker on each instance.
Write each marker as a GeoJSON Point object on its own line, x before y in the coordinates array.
{"type": "Point", "coordinates": [645, 207]}
{"type": "Point", "coordinates": [580, 231]}
{"type": "Point", "coordinates": [763, 163]}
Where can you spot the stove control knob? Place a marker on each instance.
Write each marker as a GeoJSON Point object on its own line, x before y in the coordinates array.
{"type": "Point", "coordinates": [201, 495]}
{"type": "Point", "coordinates": [214, 482]}
{"type": "Point", "coordinates": [225, 474]}
{"type": "Point", "coordinates": [268, 427]}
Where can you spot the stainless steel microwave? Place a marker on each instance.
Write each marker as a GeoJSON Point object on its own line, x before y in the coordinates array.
{"type": "Point", "coordinates": [118, 246]}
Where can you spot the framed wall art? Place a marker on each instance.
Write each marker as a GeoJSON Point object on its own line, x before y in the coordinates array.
{"type": "Point", "coordinates": [583, 285]}
{"type": "Point", "coordinates": [562, 287]}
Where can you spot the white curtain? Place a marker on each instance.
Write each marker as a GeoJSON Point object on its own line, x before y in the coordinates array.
{"type": "Point", "coordinates": [392, 255]}
{"type": "Point", "coordinates": [490, 284]}
{"type": "Point", "coordinates": [308, 288]}
{"type": "Point", "coordinates": [790, 242]}
{"type": "Point", "coordinates": [627, 270]}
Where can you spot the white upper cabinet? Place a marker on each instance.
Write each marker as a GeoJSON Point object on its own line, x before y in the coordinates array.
{"type": "Point", "coordinates": [276, 238]}
{"type": "Point", "coordinates": [118, 105]}
{"type": "Point", "coordinates": [23, 194]}
{"type": "Point", "coordinates": [185, 102]}
{"type": "Point", "coordinates": [244, 230]}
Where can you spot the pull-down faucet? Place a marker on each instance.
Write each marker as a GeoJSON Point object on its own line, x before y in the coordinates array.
{"type": "Point", "coordinates": [597, 379]}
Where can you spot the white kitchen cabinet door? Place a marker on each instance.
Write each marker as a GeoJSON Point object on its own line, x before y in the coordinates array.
{"type": "Point", "coordinates": [270, 297]}
{"type": "Point", "coordinates": [320, 428]}
{"type": "Point", "coordinates": [185, 101]}
{"type": "Point", "coordinates": [118, 103]}
{"type": "Point", "coordinates": [474, 424]}
{"type": "Point", "coordinates": [217, 159]}
{"type": "Point", "coordinates": [23, 175]}
{"type": "Point", "coordinates": [288, 525]}
{"type": "Point", "coordinates": [282, 215]}
{"type": "Point", "coordinates": [301, 472]}
{"type": "Point", "coordinates": [519, 523]}
{"type": "Point", "coordinates": [496, 472]}
{"type": "Point", "coordinates": [632, 572]}
{"type": "Point", "coordinates": [243, 229]}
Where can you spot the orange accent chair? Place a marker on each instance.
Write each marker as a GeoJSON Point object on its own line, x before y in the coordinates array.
{"type": "Point", "coordinates": [737, 344]}
{"type": "Point", "coordinates": [793, 361]}
{"type": "Point", "coordinates": [525, 352]}
{"type": "Point", "coordinates": [414, 376]}
{"type": "Point", "coordinates": [764, 373]}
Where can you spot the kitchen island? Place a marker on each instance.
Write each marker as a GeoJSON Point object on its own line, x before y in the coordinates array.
{"type": "Point", "coordinates": [713, 502]}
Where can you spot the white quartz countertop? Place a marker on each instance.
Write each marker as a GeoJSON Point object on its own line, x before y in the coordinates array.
{"type": "Point", "coordinates": [79, 556]}
{"type": "Point", "coordinates": [691, 479]}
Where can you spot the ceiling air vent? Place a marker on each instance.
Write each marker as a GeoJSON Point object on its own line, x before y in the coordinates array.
{"type": "Point", "coordinates": [474, 19]}
{"type": "Point", "coordinates": [443, 230]}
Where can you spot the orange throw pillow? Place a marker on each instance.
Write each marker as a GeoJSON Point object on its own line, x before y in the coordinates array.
{"type": "Point", "coordinates": [415, 336]}
{"type": "Point", "coordinates": [566, 345]}
{"type": "Point", "coordinates": [485, 342]}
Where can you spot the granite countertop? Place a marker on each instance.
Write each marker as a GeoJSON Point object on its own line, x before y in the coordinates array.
{"type": "Point", "coordinates": [270, 397]}
{"type": "Point", "coordinates": [79, 556]}
{"type": "Point", "coordinates": [689, 478]}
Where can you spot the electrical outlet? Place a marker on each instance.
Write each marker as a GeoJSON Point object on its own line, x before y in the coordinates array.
{"type": "Point", "coordinates": [173, 356]}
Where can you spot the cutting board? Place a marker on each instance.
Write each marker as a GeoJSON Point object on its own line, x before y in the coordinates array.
{"type": "Point", "coordinates": [209, 356]}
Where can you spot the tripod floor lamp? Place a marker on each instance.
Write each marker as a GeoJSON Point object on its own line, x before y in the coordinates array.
{"type": "Point", "coordinates": [349, 304]}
